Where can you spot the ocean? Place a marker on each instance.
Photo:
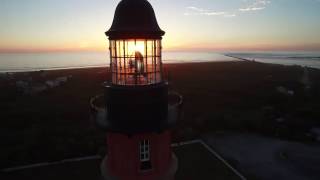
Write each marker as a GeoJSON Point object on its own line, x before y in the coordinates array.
{"type": "Point", "coordinates": [18, 62]}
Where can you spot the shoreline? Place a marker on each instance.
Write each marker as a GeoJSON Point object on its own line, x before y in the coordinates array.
{"type": "Point", "coordinates": [50, 69]}
{"type": "Point", "coordinates": [243, 59]}
{"type": "Point", "coordinates": [299, 61]}
{"type": "Point", "coordinates": [104, 66]}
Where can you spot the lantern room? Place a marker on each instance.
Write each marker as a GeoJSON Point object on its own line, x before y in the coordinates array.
{"type": "Point", "coordinates": [135, 45]}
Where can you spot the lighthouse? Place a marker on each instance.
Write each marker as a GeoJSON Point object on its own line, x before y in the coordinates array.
{"type": "Point", "coordinates": [139, 110]}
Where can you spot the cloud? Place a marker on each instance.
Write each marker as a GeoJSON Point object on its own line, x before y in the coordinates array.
{"type": "Point", "coordinates": [250, 5]}
{"type": "Point", "coordinates": [191, 10]}
{"type": "Point", "coordinates": [255, 6]}
{"type": "Point", "coordinates": [230, 15]}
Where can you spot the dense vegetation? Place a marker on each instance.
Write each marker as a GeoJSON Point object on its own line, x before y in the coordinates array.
{"type": "Point", "coordinates": [272, 100]}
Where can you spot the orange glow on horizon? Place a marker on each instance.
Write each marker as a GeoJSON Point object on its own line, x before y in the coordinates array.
{"type": "Point", "coordinates": [167, 46]}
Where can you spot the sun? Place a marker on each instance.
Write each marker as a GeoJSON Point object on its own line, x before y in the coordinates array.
{"type": "Point", "coordinates": [139, 47]}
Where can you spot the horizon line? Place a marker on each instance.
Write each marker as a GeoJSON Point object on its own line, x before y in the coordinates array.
{"type": "Point", "coordinates": [175, 49]}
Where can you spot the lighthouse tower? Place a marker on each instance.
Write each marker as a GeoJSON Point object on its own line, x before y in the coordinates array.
{"type": "Point", "coordinates": [139, 108]}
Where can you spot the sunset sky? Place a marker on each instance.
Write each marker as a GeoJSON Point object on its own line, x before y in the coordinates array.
{"type": "Point", "coordinates": [198, 25]}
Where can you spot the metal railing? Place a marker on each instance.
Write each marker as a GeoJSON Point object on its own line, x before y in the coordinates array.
{"type": "Point", "coordinates": [99, 110]}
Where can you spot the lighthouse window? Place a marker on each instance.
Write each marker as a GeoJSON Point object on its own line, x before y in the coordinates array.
{"type": "Point", "coordinates": [136, 61]}
{"type": "Point", "coordinates": [145, 162]}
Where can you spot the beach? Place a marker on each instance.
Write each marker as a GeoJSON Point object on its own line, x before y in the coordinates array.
{"type": "Point", "coordinates": [45, 115]}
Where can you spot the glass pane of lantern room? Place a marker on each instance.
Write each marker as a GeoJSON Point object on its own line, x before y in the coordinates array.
{"type": "Point", "coordinates": [158, 59]}
{"type": "Point", "coordinates": [150, 48]}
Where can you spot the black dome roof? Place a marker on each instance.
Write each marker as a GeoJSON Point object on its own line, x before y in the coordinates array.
{"type": "Point", "coordinates": [134, 19]}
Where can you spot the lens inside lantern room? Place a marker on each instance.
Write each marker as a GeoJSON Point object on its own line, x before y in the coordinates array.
{"type": "Point", "coordinates": [136, 61]}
